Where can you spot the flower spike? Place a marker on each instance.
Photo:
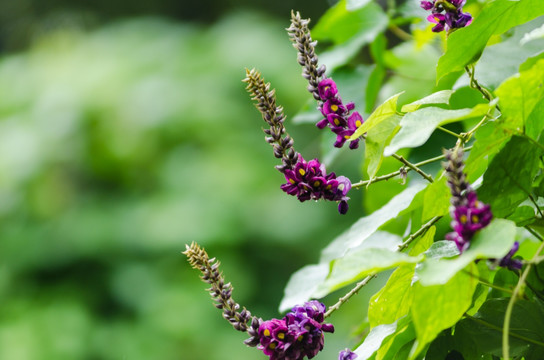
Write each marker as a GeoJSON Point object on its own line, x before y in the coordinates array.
{"type": "Point", "coordinates": [220, 291]}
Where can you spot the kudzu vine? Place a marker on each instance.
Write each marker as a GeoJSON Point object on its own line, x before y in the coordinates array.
{"type": "Point", "coordinates": [473, 291]}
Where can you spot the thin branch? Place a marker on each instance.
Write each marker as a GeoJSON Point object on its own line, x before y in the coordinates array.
{"type": "Point", "coordinates": [449, 132]}
{"type": "Point", "coordinates": [346, 297]}
{"type": "Point", "coordinates": [422, 230]}
{"type": "Point", "coordinates": [426, 176]}
{"type": "Point", "coordinates": [397, 173]}
{"type": "Point", "coordinates": [535, 234]}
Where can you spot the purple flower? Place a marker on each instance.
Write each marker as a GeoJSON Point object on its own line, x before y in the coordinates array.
{"type": "Point", "coordinates": [309, 180]}
{"type": "Point", "coordinates": [327, 89]}
{"type": "Point", "coordinates": [446, 14]}
{"type": "Point", "coordinates": [468, 219]}
{"type": "Point", "coordinates": [297, 335]}
{"type": "Point", "coordinates": [347, 355]}
{"type": "Point", "coordinates": [508, 262]}
{"type": "Point", "coordinates": [337, 114]}
{"type": "Point", "coordinates": [469, 215]}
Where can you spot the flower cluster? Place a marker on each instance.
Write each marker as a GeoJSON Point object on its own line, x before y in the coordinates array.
{"type": "Point", "coordinates": [347, 355]}
{"type": "Point", "coordinates": [468, 217]}
{"type": "Point", "coordinates": [468, 213]}
{"type": "Point", "coordinates": [337, 115]}
{"type": "Point", "coordinates": [298, 334]}
{"type": "Point", "coordinates": [447, 14]}
{"type": "Point", "coordinates": [310, 181]}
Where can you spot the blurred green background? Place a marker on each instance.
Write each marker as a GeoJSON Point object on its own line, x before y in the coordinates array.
{"type": "Point", "coordinates": [126, 133]}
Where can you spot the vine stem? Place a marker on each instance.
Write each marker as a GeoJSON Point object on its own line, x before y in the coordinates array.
{"type": "Point", "coordinates": [365, 281]}
{"type": "Point", "coordinates": [346, 297]}
{"type": "Point", "coordinates": [476, 85]}
{"type": "Point", "coordinates": [426, 176]}
{"type": "Point", "coordinates": [510, 307]}
{"type": "Point", "coordinates": [422, 230]}
{"type": "Point", "coordinates": [397, 173]}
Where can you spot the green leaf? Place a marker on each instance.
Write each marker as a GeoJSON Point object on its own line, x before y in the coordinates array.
{"type": "Point", "coordinates": [466, 45]}
{"type": "Point", "coordinates": [374, 340]}
{"type": "Point", "coordinates": [508, 180]}
{"type": "Point", "coordinates": [502, 60]}
{"type": "Point", "coordinates": [520, 94]}
{"type": "Point", "coordinates": [436, 200]}
{"type": "Point", "coordinates": [440, 97]}
{"type": "Point", "coordinates": [418, 126]}
{"type": "Point", "coordinates": [382, 113]}
{"type": "Point", "coordinates": [394, 299]}
{"type": "Point", "coordinates": [494, 241]}
{"type": "Point", "coordinates": [349, 30]}
{"type": "Point", "coordinates": [423, 243]}
{"type": "Point", "coordinates": [303, 284]}
{"type": "Point", "coordinates": [376, 140]}
{"type": "Point", "coordinates": [356, 4]}
{"type": "Point", "coordinates": [397, 347]}
{"type": "Point", "coordinates": [490, 138]}
{"type": "Point", "coordinates": [366, 226]}
{"type": "Point", "coordinates": [359, 263]}
{"type": "Point", "coordinates": [438, 307]}
{"type": "Point", "coordinates": [535, 122]}
{"type": "Point", "coordinates": [442, 249]}
{"type": "Point", "coordinates": [527, 322]}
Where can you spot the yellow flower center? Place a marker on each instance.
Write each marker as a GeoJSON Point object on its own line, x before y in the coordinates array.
{"type": "Point", "coordinates": [358, 123]}
{"type": "Point", "coordinates": [291, 181]}
{"type": "Point", "coordinates": [463, 219]}
{"type": "Point", "coordinates": [281, 336]}
{"type": "Point", "coordinates": [272, 346]}
{"type": "Point", "coordinates": [475, 219]}
{"type": "Point", "coordinates": [334, 108]}
{"type": "Point", "coordinates": [317, 183]}
{"type": "Point", "coordinates": [302, 172]}
{"type": "Point", "coordinates": [266, 332]}
{"type": "Point", "coordinates": [336, 122]}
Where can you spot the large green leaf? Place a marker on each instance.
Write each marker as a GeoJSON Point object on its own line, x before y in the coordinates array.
{"type": "Point", "coordinates": [348, 30]}
{"type": "Point", "coordinates": [489, 140]}
{"type": "Point", "coordinates": [376, 140]}
{"type": "Point", "coordinates": [520, 94]}
{"type": "Point", "coordinates": [359, 263]}
{"type": "Point", "coordinates": [438, 307]}
{"type": "Point", "coordinates": [502, 60]}
{"type": "Point", "coordinates": [466, 45]}
{"type": "Point", "coordinates": [494, 241]}
{"type": "Point", "coordinates": [374, 340]}
{"type": "Point", "coordinates": [436, 200]}
{"type": "Point", "coordinates": [439, 97]}
{"type": "Point", "coordinates": [527, 322]}
{"type": "Point", "coordinates": [368, 225]}
{"type": "Point", "coordinates": [394, 299]}
{"type": "Point", "coordinates": [418, 126]}
{"type": "Point", "coordinates": [507, 181]}
{"type": "Point", "coordinates": [303, 284]}
{"type": "Point", "coordinates": [397, 347]}
{"type": "Point", "coordinates": [382, 113]}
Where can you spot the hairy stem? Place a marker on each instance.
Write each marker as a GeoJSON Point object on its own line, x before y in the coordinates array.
{"type": "Point", "coordinates": [352, 292]}
{"type": "Point", "coordinates": [426, 176]}
{"type": "Point", "coordinates": [422, 230]}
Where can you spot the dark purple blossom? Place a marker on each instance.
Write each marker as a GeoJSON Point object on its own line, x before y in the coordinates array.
{"type": "Point", "coordinates": [299, 334]}
{"type": "Point", "coordinates": [337, 114]}
{"type": "Point", "coordinates": [347, 355]}
{"type": "Point", "coordinates": [469, 215]}
{"type": "Point", "coordinates": [507, 261]}
{"type": "Point", "coordinates": [310, 181]}
{"type": "Point", "coordinates": [446, 14]}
